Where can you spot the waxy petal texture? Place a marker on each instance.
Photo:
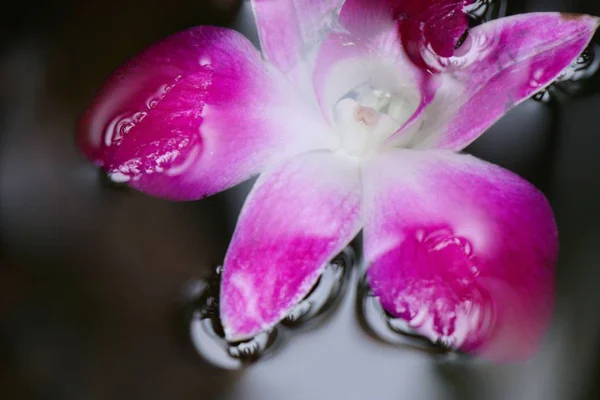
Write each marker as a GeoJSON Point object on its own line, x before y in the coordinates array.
{"type": "Point", "coordinates": [195, 114]}
{"type": "Point", "coordinates": [296, 219]}
{"type": "Point", "coordinates": [463, 250]}
{"type": "Point", "coordinates": [508, 61]}
{"type": "Point", "coordinates": [291, 31]}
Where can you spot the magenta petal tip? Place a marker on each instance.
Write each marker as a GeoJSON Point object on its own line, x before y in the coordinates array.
{"type": "Point", "coordinates": [186, 117]}
{"type": "Point", "coordinates": [298, 216]}
{"type": "Point", "coordinates": [463, 250]}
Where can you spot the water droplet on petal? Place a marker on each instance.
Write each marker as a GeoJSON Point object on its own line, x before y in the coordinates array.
{"type": "Point", "coordinates": [120, 126]}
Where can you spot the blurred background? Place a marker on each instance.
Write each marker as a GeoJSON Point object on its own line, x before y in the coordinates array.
{"type": "Point", "coordinates": [91, 275]}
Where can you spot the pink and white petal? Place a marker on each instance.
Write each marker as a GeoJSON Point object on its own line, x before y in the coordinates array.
{"type": "Point", "coordinates": [509, 60]}
{"type": "Point", "coordinates": [461, 249]}
{"type": "Point", "coordinates": [195, 114]}
{"type": "Point", "coordinates": [298, 216]}
{"type": "Point", "coordinates": [435, 24]}
{"type": "Point", "coordinates": [345, 62]}
{"type": "Point", "coordinates": [290, 32]}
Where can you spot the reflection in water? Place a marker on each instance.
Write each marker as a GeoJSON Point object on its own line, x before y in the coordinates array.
{"type": "Point", "coordinates": [201, 312]}
{"type": "Point", "coordinates": [339, 361]}
{"type": "Point", "coordinates": [485, 10]}
{"type": "Point", "coordinates": [206, 332]}
{"type": "Point", "coordinates": [326, 293]}
{"type": "Point", "coordinates": [381, 325]}
{"type": "Point", "coordinates": [576, 79]}
{"type": "Point", "coordinates": [108, 183]}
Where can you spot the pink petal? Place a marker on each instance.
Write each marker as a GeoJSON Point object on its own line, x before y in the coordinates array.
{"type": "Point", "coordinates": [437, 24]}
{"type": "Point", "coordinates": [195, 114]}
{"type": "Point", "coordinates": [290, 31]}
{"type": "Point", "coordinates": [296, 219]}
{"type": "Point", "coordinates": [463, 250]}
{"type": "Point", "coordinates": [509, 60]}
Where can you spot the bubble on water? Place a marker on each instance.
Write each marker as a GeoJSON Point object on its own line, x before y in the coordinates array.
{"type": "Point", "coordinates": [573, 81]}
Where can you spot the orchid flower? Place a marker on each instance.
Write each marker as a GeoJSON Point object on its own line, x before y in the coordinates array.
{"type": "Point", "coordinates": [354, 113]}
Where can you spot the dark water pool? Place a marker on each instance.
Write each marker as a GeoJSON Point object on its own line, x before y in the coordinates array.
{"type": "Point", "coordinates": [91, 277]}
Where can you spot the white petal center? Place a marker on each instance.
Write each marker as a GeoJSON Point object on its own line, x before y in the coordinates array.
{"type": "Point", "coordinates": [366, 116]}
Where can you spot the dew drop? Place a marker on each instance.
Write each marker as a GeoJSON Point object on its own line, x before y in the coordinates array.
{"type": "Point", "coordinates": [120, 126]}
{"type": "Point", "coordinates": [139, 116]}
{"type": "Point", "coordinates": [326, 293]}
{"type": "Point", "coordinates": [205, 61]}
{"type": "Point", "coordinates": [396, 331]}
{"type": "Point", "coordinates": [158, 95]}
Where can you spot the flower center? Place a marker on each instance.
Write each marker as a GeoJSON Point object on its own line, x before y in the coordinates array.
{"type": "Point", "coordinates": [365, 117]}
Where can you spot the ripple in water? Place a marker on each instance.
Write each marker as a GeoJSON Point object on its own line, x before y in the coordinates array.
{"type": "Point", "coordinates": [481, 11]}
{"type": "Point", "coordinates": [201, 313]}
{"type": "Point", "coordinates": [326, 293]}
{"type": "Point", "coordinates": [106, 182]}
{"type": "Point", "coordinates": [573, 81]}
{"type": "Point", "coordinates": [395, 331]}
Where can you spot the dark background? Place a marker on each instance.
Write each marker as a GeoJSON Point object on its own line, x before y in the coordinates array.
{"type": "Point", "coordinates": [90, 277]}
